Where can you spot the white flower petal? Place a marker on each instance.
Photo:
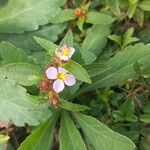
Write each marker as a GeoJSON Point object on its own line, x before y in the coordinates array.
{"type": "Point", "coordinates": [72, 51]}
{"type": "Point", "coordinates": [65, 58]}
{"type": "Point", "coordinates": [51, 73]}
{"type": "Point", "coordinates": [58, 85]}
{"type": "Point", "coordinates": [70, 80]}
{"type": "Point", "coordinates": [62, 70]}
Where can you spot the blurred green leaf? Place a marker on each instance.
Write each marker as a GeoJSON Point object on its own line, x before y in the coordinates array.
{"type": "Point", "coordinates": [14, 17]}
{"type": "Point", "coordinates": [11, 54]}
{"type": "Point", "coordinates": [95, 69]}
{"type": "Point", "coordinates": [144, 5]}
{"type": "Point", "coordinates": [118, 115]}
{"type": "Point", "coordinates": [145, 118]}
{"type": "Point", "coordinates": [63, 16]}
{"type": "Point", "coordinates": [128, 107]}
{"type": "Point", "coordinates": [72, 106]}
{"type": "Point", "coordinates": [94, 42]}
{"type": "Point", "coordinates": [21, 73]}
{"type": "Point", "coordinates": [68, 39]}
{"type": "Point", "coordinates": [70, 138]}
{"type": "Point", "coordinates": [127, 37]}
{"type": "Point", "coordinates": [94, 17]}
{"type": "Point", "coordinates": [26, 40]}
{"type": "Point", "coordinates": [15, 105]}
{"type": "Point", "coordinates": [114, 6]}
{"type": "Point", "coordinates": [115, 38]}
{"type": "Point", "coordinates": [100, 136]}
{"type": "Point", "coordinates": [42, 137]}
{"type": "Point", "coordinates": [133, 1]}
{"type": "Point", "coordinates": [121, 67]}
{"type": "Point", "coordinates": [80, 23]}
{"type": "Point", "coordinates": [131, 10]}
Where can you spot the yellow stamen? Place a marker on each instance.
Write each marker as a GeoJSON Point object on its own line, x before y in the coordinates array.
{"type": "Point", "coordinates": [62, 76]}
{"type": "Point", "coordinates": [66, 51]}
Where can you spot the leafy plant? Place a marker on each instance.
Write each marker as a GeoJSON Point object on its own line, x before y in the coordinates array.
{"type": "Point", "coordinates": [73, 76]}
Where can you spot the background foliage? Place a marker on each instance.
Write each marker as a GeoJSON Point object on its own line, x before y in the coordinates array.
{"type": "Point", "coordinates": [109, 106]}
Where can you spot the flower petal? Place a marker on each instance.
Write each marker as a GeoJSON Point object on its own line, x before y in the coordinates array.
{"type": "Point", "coordinates": [65, 58]}
{"type": "Point", "coordinates": [70, 80]}
{"type": "Point", "coordinates": [62, 70]}
{"type": "Point", "coordinates": [63, 47]}
{"type": "Point", "coordinates": [58, 53]}
{"type": "Point", "coordinates": [72, 50]}
{"type": "Point", "coordinates": [51, 73]}
{"type": "Point", "coordinates": [58, 85]}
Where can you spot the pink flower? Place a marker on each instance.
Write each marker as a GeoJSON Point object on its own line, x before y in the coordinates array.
{"type": "Point", "coordinates": [61, 77]}
{"type": "Point", "coordinates": [65, 53]}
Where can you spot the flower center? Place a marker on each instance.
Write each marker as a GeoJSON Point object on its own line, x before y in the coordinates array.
{"type": "Point", "coordinates": [62, 76]}
{"type": "Point", "coordinates": [66, 52]}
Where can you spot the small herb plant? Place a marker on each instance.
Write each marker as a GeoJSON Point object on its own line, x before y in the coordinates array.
{"type": "Point", "coordinates": [74, 75]}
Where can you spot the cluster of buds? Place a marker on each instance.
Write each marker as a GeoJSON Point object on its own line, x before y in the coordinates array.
{"type": "Point", "coordinates": [80, 13]}
{"type": "Point", "coordinates": [56, 77]}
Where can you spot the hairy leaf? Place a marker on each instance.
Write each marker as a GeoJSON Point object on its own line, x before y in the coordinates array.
{"type": "Point", "coordinates": [99, 18]}
{"type": "Point", "coordinates": [78, 71]}
{"type": "Point", "coordinates": [63, 16]}
{"type": "Point", "coordinates": [25, 15]}
{"type": "Point", "coordinates": [47, 45]}
{"type": "Point", "coordinates": [70, 138]}
{"type": "Point", "coordinates": [72, 106]}
{"type": "Point", "coordinates": [21, 73]}
{"type": "Point", "coordinates": [26, 40]}
{"type": "Point", "coordinates": [42, 137]}
{"type": "Point", "coordinates": [15, 105]}
{"type": "Point", "coordinates": [122, 67]}
{"type": "Point", "coordinates": [100, 136]}
{"type": "Point", "coordinates": [94, 42]}
{"type": "Point", "coordinates": [11, 54]}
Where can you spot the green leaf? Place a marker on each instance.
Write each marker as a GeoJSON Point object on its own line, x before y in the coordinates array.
{"type": "Point", "coordinates": [11, 54]}
{"type": "Point", "coordinates": [100, 136]}
{"type": "Point", "coordinates": [127, 38]}
{"type": "Point", "coordinates": [94, 42]}
{"type": "Point", "coordinates": [72, 107]}
{"type": "Point", "coordinates": [26, 40]}
{"type": "Point", "coordinates": [115, 38]}
{"type": "Point", "coordinates": [68, 39]}
{"type": "Point", "coordinates": [144, 5]}
{"type": "Point", "coordinates": [94, 17]}
{"type": "Point", "coordinates": [63, 16]}
{"type": "Point", "coordinates": [47, 45]}
{"type": "Point", "coordinates": [133, 1]}
{"type": "Point", "coordinates": [139, 16]}
{"type": "Point", "coordinates": [3, 138]}
{"type": "Point", "coordinates": [122, 67]}
{"type": "Point", "coordinates": [78, 71]}
{"type": "Point", "coordinates": [14, 17]}
{"type": "Point", "coordinates": [118, 115]}
{"type": "Point", "coordinates": [131, 10]}
{"type": "Point", "coordinates": [21, 73]}
{"type": "Point", "coordinates": [114, 6]}
{"type": "Point", "coordinates": [70, 138]}
{"type": "Point", "coordinates": [80, 23]}
{"type": "Point", "coordinates": [95, 69]}
{"type": "Point", "coordinates": [15, 105]}
{"type": "Point", "coordinates": [131, 118]}
{"type": "Point", "coordinates": [145, 118]}
{"type": "Point", "coordinates": [42, 137]}
{"type": "Point", "coordinates": [128, 107]}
